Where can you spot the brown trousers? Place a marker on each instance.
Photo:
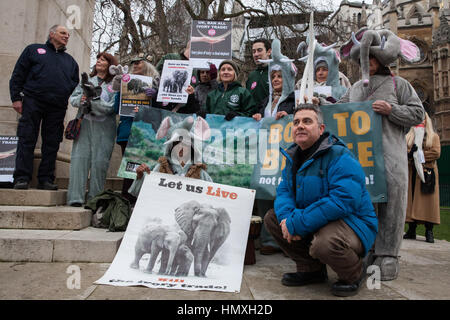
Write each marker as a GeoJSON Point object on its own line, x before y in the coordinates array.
{"type": "Point", "coordinates": [335, 245]}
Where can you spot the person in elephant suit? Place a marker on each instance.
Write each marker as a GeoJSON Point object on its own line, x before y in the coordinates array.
{"type": "Point", "coordinates": [207, 228]}
{"type": "Point", "coordinates": [156, 238]}
{"type": "Point", "coordinates": [400, 108]}
{"type": "Point", "coordinates": [181, 151]}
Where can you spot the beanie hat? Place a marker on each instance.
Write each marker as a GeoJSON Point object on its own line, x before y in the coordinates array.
{"type": "Point", "coordinates": [232, 64]}
{"type": "Point", "coordinates": [320, 62]}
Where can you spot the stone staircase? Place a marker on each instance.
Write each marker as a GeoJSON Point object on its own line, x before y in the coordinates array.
{"type": "Point", "coordinates": [37, 226]}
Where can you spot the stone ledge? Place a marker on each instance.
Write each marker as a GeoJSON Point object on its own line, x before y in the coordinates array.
{"type": "Point", "coordinates": [87, 245]}
{"type": "Point", "coordinates": [49, 218]}
{"type": "Point", "coordinates": [32, 197]}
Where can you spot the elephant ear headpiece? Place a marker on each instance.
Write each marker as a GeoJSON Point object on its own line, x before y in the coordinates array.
{"type": "Point", "coordinates": [332, 58]}
{"type": "Point", "coordinates": [187, 130]}
{"type": "Point", "coordinates": [383, 44]}
{"type": "Point", "coordinates": [280, 62]}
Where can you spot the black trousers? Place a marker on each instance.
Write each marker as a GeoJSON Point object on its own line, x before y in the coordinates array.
{"type": "Point", "coordinates": [34, 114]}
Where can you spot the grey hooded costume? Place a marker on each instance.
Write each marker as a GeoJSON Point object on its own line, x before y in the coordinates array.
{"type": "Point", "coordinates": [175, 133]}
{"type": "Point", "coordinates": [407, 111]}
{"type": "Point", "coordinates": [92, 150]}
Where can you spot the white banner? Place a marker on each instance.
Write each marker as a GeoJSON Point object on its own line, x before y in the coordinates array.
{"type": "Point", "coordinates": [183, 221]}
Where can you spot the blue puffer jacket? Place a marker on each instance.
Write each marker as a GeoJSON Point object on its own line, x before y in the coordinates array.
{"type": "Point", "coordinates": [330, 186]}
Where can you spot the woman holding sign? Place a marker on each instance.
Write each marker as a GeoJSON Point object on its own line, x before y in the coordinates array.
{"type": "Point", "coordinates": [93, 148]}
{"type": "Point", "coordinates": [139, 66]}
{"type": "Point", "coordinates": [230, 98]}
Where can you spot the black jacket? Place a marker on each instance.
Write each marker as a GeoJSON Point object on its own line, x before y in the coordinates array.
{"type": "Point", "coordinates": [45, 74]}
{"type": "Point", "coordinates": [287, 105]}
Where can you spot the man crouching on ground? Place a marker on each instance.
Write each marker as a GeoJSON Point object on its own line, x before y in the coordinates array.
{"type": "Point", "coordinates": [323, 213]}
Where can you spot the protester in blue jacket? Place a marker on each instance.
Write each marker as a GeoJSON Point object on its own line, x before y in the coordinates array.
{"type": "Point", "coordinates": [323, 212]}
{"type": "Point", "coordinates": [40, 86]}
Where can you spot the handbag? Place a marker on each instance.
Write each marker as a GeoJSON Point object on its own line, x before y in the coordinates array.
{"type": "Point", "coordinates": [428, 186]}
{"type": "Point", "coordinates": [73, 128]}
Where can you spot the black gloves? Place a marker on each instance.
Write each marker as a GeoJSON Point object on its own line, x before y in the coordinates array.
{"type": "Point", "coordinates": [230, 115]}
{"type": "Point", "coordinates": [413, 149]}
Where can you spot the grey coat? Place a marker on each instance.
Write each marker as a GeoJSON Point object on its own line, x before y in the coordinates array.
{"type": "Point", "coordinates": [407, 111]}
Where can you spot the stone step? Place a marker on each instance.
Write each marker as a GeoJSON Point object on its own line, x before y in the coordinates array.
{"type": "Point", "coordinates": [87, 245]}
{"type": "Point", "coordinates": [114, 184]}
{"type": "Point", "coordinates": [32, 197]}
{"type": "Point", "coordinates": [49, 218]}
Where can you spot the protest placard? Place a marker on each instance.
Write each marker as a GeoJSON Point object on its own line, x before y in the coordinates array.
{"type": "Point", "coordinates": [210, 42]}
{"type": "Point", "coordinates": [184, 234]}
{"type": "Point", "coordinates": [8, 146]}
{"type": "Point", "coordinates": [132, 93]}
{"type": "Point", "coordinates": [175, 79]}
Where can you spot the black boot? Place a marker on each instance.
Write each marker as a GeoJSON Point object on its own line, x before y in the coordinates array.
{"type": "Point", "coordinates": [411, 233]}
{"type": "Point", "coordinates": [429, 237]}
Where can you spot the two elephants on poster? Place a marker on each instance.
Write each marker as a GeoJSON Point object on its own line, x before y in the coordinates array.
{"type": "Point", "coordinates": [245, 153]}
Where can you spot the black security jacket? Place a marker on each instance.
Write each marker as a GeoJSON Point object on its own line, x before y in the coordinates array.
{"type": "Point", "coordinates": [45, 74]}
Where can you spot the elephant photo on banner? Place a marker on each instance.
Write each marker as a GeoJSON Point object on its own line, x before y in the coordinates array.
{"type": "Point", "coordinates": [186, 234]}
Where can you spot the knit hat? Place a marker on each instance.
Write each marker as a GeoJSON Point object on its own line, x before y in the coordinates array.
{"type": "Point", "coordinates": [232, 64]}
{"type": "Point", "coordinates": [320, 62]}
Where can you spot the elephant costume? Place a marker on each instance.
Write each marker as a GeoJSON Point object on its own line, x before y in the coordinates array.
{"type": "Point", "coordinates": [206, 228]}
{"type": "Point", "coordinates": [155, 238]}
{"type": "Point", "coordinates": [332, 59]}
{"type": "Point", "coordinates": [190, 133]}
{"type": "Point", "coordinates": [383, 44]}
{"type": "Point", "coordinates": [406, 111]}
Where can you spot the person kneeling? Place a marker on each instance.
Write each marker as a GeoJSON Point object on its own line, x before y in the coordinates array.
{"type": "Point", "coordinates": [323, 214]}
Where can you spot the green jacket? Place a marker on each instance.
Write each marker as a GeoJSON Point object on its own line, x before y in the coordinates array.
{"type": "Point", "coordinates": [235, 98]}
{"type": "Point", "coordinates": [258, 83]}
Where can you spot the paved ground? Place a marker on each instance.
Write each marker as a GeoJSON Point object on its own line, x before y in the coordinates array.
{"type": "Point", "coordinates": [424, 274]}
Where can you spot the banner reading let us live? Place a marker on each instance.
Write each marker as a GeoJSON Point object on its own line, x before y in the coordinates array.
{"type": "Point", "coordinates": [354, 123]}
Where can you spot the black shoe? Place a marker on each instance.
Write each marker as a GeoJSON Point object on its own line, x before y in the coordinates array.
{"type": "Point", "coordinates": [47, 185]}
{"type": "Point", "coordinates": [344, 289]}
{"type": "Point", "coordinates": [21, 185]}
{"type": "Point", "coordinates": [303, 278]}
{"type": "Point", "coordinates": [429, 237]}
{"type": "Point", "coordinates": [76, 204]}
{"type": "Point", "coordinates": [411, 233]}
